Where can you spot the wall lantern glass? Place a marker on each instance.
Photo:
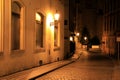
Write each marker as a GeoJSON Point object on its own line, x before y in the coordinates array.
{"type": "Point", "coordinates": [53, 19]}
{"type": "Point", "coordinates": [56, 16]}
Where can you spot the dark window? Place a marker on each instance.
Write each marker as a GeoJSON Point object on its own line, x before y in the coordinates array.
{"type": "Point", "coordinates": [39, 30]}
{"type": "Point", "coordinates": [15, 28]}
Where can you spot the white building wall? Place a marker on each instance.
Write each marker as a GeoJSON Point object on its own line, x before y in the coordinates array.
{"type": "Point", "coordinates": [13, 61]}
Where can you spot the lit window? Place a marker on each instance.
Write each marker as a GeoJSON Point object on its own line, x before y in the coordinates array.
{"type": "Point", "coordinates": [16, 27]}
{"type": "Point", "coordinates": [39, 30]}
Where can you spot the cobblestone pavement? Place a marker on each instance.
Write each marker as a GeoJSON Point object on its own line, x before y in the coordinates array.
{"type": "Point", "coordinates": [90, 66]}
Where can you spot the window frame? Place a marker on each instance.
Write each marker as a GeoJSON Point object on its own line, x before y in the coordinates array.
{"type": "Point", "coordinates": [22, 26]}
{"type": "Point", "coordinates": [40, 48]}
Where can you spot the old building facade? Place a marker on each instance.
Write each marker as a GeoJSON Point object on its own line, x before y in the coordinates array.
{"type": "Point", "coordinates": [30, 35]}
{"type": "Point", "coordinates": [111, 28]}
{"type": "Point", "coordinates": [101, 17]}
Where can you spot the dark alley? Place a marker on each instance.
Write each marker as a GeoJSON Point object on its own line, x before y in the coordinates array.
{"type": "Point", "coordinates": [59, 39]}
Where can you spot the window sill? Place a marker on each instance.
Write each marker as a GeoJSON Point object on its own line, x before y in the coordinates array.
{"type": "Point", "coordinates": [17, 51]}
{"type": "Point", "coordinates": [39, 50]}
{"type": "Point", "coordinates": [56, 48]}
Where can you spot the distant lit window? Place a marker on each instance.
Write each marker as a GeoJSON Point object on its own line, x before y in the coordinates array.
{"type": "Point", "coordinates": [16, 27]}
{"type": "Point", "coordinates": [39, 29]}
{"type": "Point", "coordinates": [1, 25]}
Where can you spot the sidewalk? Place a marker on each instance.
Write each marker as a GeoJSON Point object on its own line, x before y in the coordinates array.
{"type": "Point", "coordinates": [30, 74]}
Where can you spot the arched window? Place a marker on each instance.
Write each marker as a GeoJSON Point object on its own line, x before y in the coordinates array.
{"type": "Point", "coordinates": [16, 26]}
{"type": "Point", "coordinates": [39, 29]}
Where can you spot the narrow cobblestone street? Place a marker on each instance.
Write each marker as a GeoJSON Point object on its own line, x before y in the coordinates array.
{"type": "Point", "coordinates": [90, 66]}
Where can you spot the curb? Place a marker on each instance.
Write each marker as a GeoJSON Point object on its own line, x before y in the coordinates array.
{"type": "Point", "coordinates": [34, 73]}
{"type": "Point", "coordinates": [51, 70]}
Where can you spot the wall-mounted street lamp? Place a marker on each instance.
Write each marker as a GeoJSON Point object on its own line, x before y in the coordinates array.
{"type": "Point", "coordinates": [77, 34]}
{"type": "Point", "coordinates": [71, 38]}
{"type": "Point", "coordinates": [55, 19]}
{"type": "Point", "coordinates": [56, 16]}
{"type": "Point", "coordinates": [85, 38]}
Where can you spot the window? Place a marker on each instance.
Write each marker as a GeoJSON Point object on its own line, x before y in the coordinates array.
{"type": "Point", "coordinates": [1, 25]}
{"type": "Point", "coordinates": [56, 33]}
{"type": "Point", "coordinates": [16, 26]}
{"type": "Point", "coordinates": [39, 30]}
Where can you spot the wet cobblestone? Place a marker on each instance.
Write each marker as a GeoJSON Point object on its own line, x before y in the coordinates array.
{"type": "Point", "coordinates": [83, 69]}
{"type": "Point", "coordinates": [73, 73]}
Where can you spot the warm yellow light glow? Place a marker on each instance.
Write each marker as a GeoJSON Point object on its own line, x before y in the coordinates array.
{"type": "Point", "coordinates": [50, 19]}
{"type": "Point", "coordinates": [52, 28]}
{"type": "Point", "coordinates": [95, 46]}
{"type": "Point", "coordinates": [77, 34]}
{"type": "Point", "coordinates": [38, 17]}
{"type": "Point", "coordinates": [71, 38]}
{"type": "Point", "coordinates": [50, 22]}
{"type": "Point", "coordinates": [56, 16]}
{"type": "Point", "coordinates": [85, 38]}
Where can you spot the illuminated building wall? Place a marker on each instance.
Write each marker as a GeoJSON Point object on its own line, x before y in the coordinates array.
{"type": "Point", "coordinates": [27, 34]}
